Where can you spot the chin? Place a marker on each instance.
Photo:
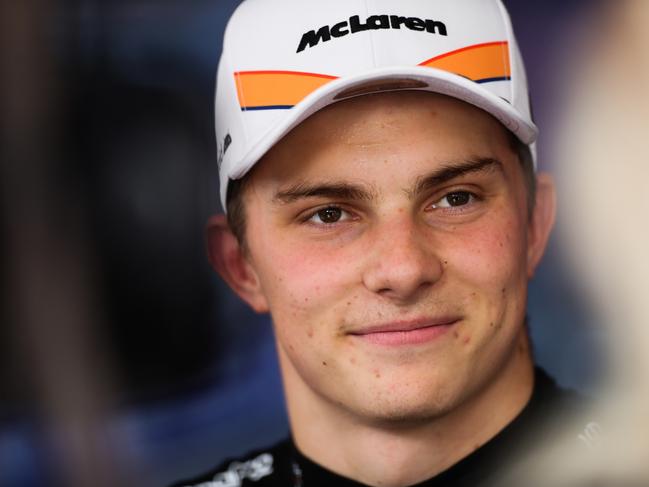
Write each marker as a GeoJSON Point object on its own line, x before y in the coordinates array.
{"type": "Point", "coordinates": [401, 407]}
{"type": "Point", "coordinates": [404, 415]}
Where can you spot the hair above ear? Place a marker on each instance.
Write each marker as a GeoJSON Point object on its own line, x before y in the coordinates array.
{"type": "Point", "coordinates": [229, 259]}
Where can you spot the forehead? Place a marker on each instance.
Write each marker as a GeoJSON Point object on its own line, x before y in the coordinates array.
{"type": "Point", "coordinates": [408, 130]}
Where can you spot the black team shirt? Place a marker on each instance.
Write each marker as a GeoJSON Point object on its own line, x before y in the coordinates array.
{"type": "Point", "coordinates": [284, 466]}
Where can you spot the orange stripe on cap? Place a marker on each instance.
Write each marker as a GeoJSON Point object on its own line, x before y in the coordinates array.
{"type": "Point", "coordinates": [276, 89]}
{"type": "Point", "coordinates": [267, 90]}
{"type": "Point", "coordinates": [480, 63]}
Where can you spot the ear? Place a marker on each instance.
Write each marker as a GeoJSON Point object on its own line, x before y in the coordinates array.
{"type": "Point", "coordinates": [542, 221]}
{"type": "Point", "coordinates": [232, 262]}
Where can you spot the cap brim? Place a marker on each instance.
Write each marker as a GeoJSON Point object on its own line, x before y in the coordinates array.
{"type": "Point", "coordinates": [425, 78]}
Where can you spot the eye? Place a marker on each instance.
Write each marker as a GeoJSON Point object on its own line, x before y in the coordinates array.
{"type": "Point", "coordinates": [328, 216]}
{"type": "Point", "coordinates": [455, 199]}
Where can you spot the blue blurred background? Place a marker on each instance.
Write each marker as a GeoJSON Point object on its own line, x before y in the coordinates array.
{"type": "Point", "coordinates": [123, 359]}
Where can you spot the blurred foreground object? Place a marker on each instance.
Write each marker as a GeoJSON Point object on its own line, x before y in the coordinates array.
{"type": "Point", "coordinates": [603, 176]}
{"type": "Point", "coordinates": [50, 300]}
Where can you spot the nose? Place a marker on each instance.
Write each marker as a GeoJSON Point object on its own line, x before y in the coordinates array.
{"type": "Point", "coordinates": [402, 262]}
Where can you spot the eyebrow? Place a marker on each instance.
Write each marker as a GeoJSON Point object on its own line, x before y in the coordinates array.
{"type": "Point", "coordinates": [353, 192]}
{"type": "Point", "coordinates": [333, 190]}
{"type": "Point", "coordinates": [453, 171]}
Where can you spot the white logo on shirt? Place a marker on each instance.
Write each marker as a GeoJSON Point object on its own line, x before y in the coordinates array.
{"type": "Point", "coordinates": [237, 472]}
{"type": "Point", "coordinates": [592, 435]}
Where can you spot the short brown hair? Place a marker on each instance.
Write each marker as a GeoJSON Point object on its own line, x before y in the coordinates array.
{"type": "Point", "coordinates": [236, 211]}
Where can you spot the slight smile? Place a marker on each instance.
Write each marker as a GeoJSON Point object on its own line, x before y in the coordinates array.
{"type": "Point", "coordinates": [401, 333]}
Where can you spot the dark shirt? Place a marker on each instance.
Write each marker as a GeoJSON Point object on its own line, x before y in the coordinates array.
{"type": "Point", "coordinates": [284, 466]}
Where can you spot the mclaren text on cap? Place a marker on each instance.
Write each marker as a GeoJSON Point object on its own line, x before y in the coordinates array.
{"type": "Point", "coordinates": [375, 22]}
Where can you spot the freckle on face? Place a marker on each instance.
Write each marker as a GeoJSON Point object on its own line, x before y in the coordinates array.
{"type": "Point", "coordinates": [324, 294]}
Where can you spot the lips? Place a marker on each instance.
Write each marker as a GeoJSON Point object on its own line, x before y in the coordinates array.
{"type": "Point", "coordinates": [410, 332]}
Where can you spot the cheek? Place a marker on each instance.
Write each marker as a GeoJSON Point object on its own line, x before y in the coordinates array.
{"type": "Point", "coordinates": [490, 256]}
{"type": "Point", "coordinates": [487, 268]}
{"type": "Point", "coordinates": [302, 282]}
{"type": "Point", "coordinates": [307, 289]}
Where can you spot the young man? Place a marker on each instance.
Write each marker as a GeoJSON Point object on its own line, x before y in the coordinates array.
{"type": "Point", "coordinates": [377, 166]}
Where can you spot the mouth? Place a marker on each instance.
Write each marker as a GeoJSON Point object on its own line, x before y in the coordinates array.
{"type": "Point", "coordinates": [401, 333]}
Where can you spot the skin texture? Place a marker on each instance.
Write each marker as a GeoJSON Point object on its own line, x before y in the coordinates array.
{"type": "Point", "coordinates": [456, 252]}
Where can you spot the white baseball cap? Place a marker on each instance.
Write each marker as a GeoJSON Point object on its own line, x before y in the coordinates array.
{"type": "Point", "coordinates": [283, 60]}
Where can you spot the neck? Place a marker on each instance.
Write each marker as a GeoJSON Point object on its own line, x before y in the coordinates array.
{"type": "Point", "coordinates": [396, 455]}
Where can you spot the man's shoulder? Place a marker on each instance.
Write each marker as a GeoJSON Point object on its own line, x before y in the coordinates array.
{"type": "Point", "coordinates": [558, 429]}
{"type": "Point", "coordinates": [554, 412]}
{"type": "Point", "coordinates": [260, 468]}
{"type": "Point", "coordinates": [556, 404]}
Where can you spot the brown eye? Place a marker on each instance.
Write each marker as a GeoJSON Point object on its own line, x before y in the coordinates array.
{"type": "Point", "coordinates": [455, 199]}
{"type": "Point", "coordinates": [458, 199]}
{"type": "Point", "coordinates": [329, 215]}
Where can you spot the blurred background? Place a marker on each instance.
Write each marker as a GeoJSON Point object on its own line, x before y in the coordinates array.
{"type": "Point", "coordinates": [123, 359]}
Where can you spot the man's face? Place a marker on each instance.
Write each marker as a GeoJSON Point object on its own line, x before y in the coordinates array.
{"type": "Point", "coordinates": [389, 239]}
